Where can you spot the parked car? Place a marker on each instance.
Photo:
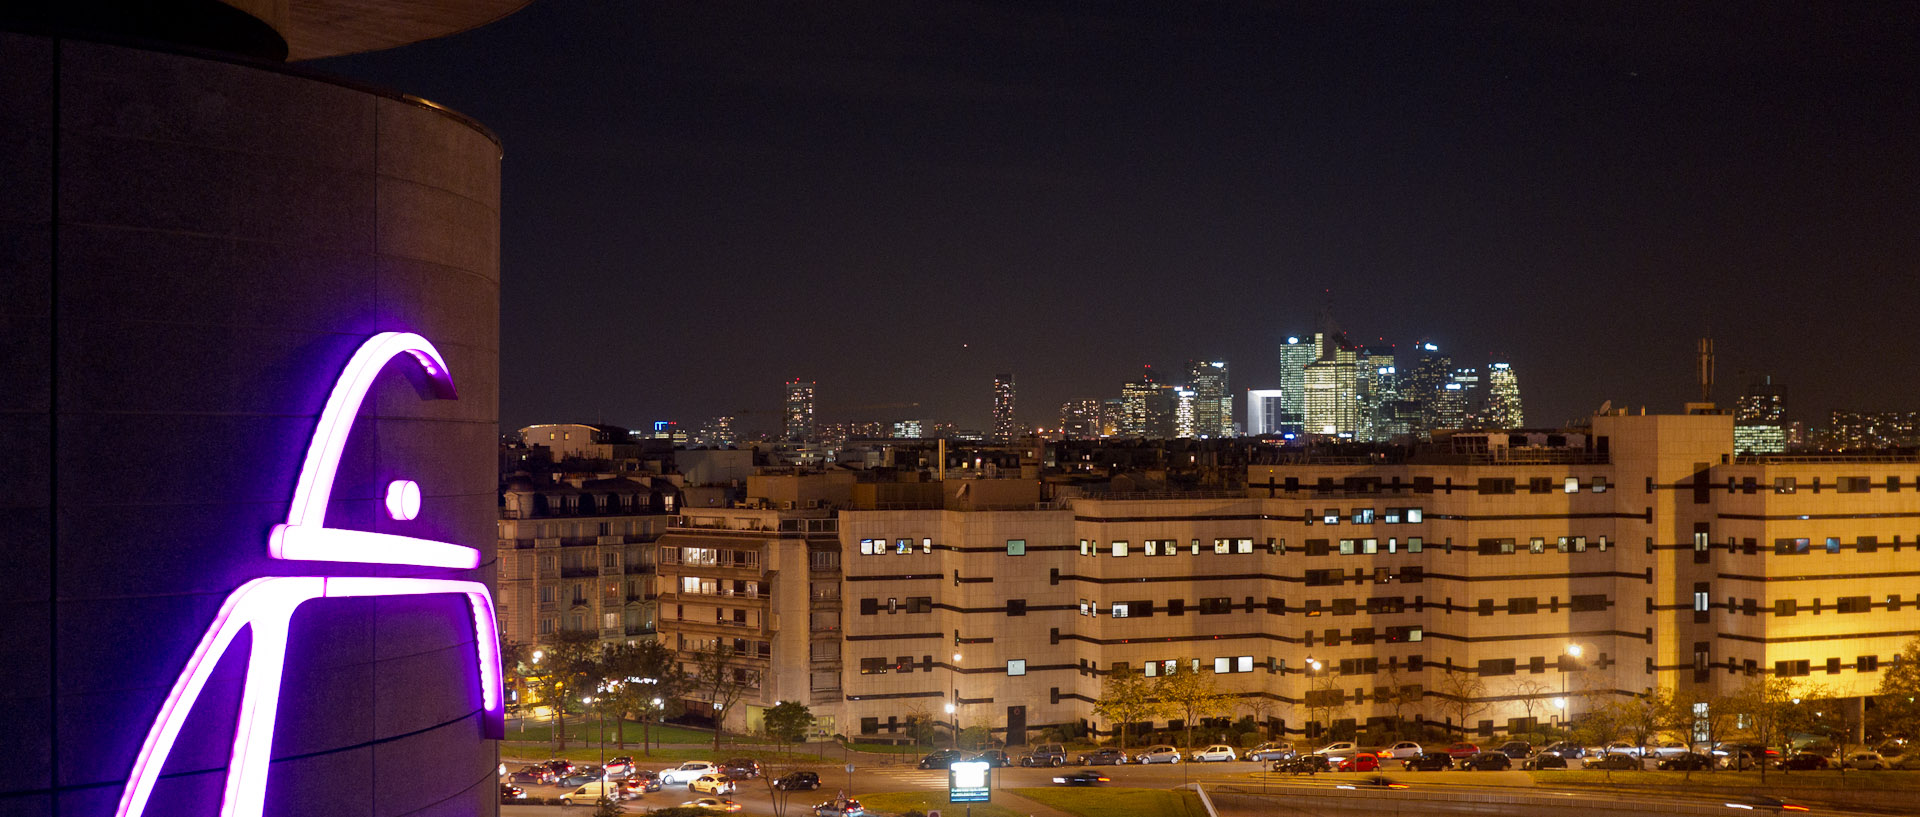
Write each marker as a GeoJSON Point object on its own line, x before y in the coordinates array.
{"type": "Point", "coordinates": [560, 767]}
{"type": "Point", "coordinates": [1046, 754]}
{"type": "Point", "coordinates": [1564, 749]}
{"type": "Point", "coordinates": [531, 774]}
{"type": "Point", "coordinates": [712, 804]}
{"type": "Point", "coordinates": [686, 772]}
{"type": "Point", "coordinates": [641, 781]}
{"type": "Point", "coordinates": [1402, 750]}
{"type": "Point", "coordinates": [1216, 752]}
{"type": "Point", "coordinates": [1428, 762]}
{"type": "Point", "coordinates": [1865, 760]}
{"type": "Point", "coordinates": [992, 757]}
{"type": "Point", "coordinates": [940, 759]}
{"type": "Point", "coordinates": [1621, 747]}
{"type": "Point", "coordinates": [1463, 750]}
{"type": "Point", "coordinates": [740, 768]}
{"type": "Point", "coordinates": [1083, 777]}
{"type": "Point", "coordinates": [839, 807]}
{"type": "Point", "coordinates": [1802, 761]}
{"type": "Point", "coordinates": [713, 784]}
{"type": "Point", "coordinates": [581, 775]}
{"type": "Point", "coordinates": [1615, 760]}
{"type": "Point", "coordinates": [1515, 749]}
{"type": "Point", "coordinates": [796, 781]}
{"type": "Point", "coordinates": [592, 792]}
{"type": "Point", "coordinates": [1264, 753]}
{"type": "Point", "coordinates": [1303, 764]}
{"type": "Point", "coordinates": [1668, 748]}
{"type": "Point", "coordinates": [1685, 762]}
{"type": "Point", "coordinates": [1337, 751]}
{"type": "Point", "coordinates": [1742, 756]}
{"type": "Point", "coordinates": [1489, 762]}
{"type": "Point", "coordinates": [1104, 757]}
{"type": "Point", "coordinates": [1910, 760]}
{"type": "Point", "coordinates": [618, 767]}
{"type": "Point", "coordinates": [1544, 761]}
{"type": "Point", "coordinates": [510, 793]}
{"type": "Point", "coordinates": [1159, 753]}
{"type": "Point", "coordinates": [1360, 762]}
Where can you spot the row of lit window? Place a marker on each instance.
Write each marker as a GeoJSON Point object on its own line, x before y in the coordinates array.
{"type": "Point", "coordinates": [878, 547]}
{"type": "Point", "coordinates": [1365, 516]}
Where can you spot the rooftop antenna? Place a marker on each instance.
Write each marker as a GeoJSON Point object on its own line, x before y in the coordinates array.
{"type": "Point", "coordinates": [1706, 370]}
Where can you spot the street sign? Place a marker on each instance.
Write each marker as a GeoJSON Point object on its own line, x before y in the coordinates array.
{"type": "Point", "coordinates": [970, 781]}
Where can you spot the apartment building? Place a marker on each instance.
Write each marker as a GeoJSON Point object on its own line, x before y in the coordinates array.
{"type": "Point", "coordinates": [577, 554]}
{"type": "Point", "coordinates": [763, 582]}
{"type": "Point", "coordinates": [1542, 571]}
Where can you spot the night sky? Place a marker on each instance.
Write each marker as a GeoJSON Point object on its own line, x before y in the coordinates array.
{"type": "Point", "coordinates": [703, 199]}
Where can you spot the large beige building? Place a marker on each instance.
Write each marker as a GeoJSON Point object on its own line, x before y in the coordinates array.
{"type": "Point", "coordinates": [1643, 543]}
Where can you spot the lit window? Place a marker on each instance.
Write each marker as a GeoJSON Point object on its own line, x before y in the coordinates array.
{"type": "Point", "coordinates": [1222, 665]}
{"type": "Point", "coordinates": [1196, 551]}
{"type": "Point", "coordinates": [1393, 545]}
{"type": "Point", "coordinates": [1086, 548]}
{"type": "Point", "coordinates": [1391, 516]}
{"type": "Point", "coordinates": [1222, 545]}
{"type": "Point", "coordinates": [926, 545]}
{"type": "Point", "coordinates": [1016, 666]}
{"type": "Point", "coordinates": [1413, 515]}
{"type": "Point", "coordinates": [1573, 485]}
{"type": "Point", "coordinates": [1243, 545]}
{"type": "Point", "coordinates": [1245, 664]}
{"type": "Point", "coordinates": [1120, 548]}
{"type": "Point", "coordinates": [1332, 518]}
{"type": "Point", "coordinates": [1016, 547]}
{"type": "Point", "coordinates": [1369, 546]}
{"type": "Point", "coordinates": [866, 547]}
{"type": "Point", "coordinates": [1700, 601]}
{"type": "Point", "coordinates": [1346, 547]}
{"type": "Point", "coordinates": [1120, 610]}
{"type": "Point", "coordinates": [1153, 547]}
{"type": "Point", "coordinates": [1413, 544]}
{"type": "Point", "coordinates": [1833, 544]}
{"type": "Point", "coordinates": [1362, 516]}
{"type": "Point", "coordinates": [1599, 485]}
{"type": "Point", "coordinates": [903, 545]}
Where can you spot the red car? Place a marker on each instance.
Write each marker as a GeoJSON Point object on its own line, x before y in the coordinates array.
{"type": "Point", "coordinates": [1463, 750]}
{"type": "Point", "coordinates": [1361, 762]}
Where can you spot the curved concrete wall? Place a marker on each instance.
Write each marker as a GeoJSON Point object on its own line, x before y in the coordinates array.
{"type": "Point", "coordinates": [190, 249]}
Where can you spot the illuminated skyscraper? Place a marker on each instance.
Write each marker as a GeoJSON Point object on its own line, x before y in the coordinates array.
{"type": "Point", "coordinates": [1265, 407]}
{"type": "Point", "coordinates": [1135, 398]}
{"type": "Point", "coordinates": [799, 409]}
{"type": "Point", "coordinates": [1332, 391]}
{"type": "Point", "coordinates": [1294, 357]}
{"type": "Point", "coordinates": [1081, 419]}
{"type": "Point", "coordinates": [1184, 400]}
{"type": "Point", "coordinates": [1212, 399]}
{"type": "Point", "coordinates": [1424, 385]}
{"type": "Point", "coordinates": [1760, 418]}
{"type": "Point", "coordinates": [1503, 398]}
{"type": "Point", "coordinates": [1378, 390]}
{"type": "Point", "coordinates": [1458, 398]}
{"type": "Point", "coordinates": [1003, 428]}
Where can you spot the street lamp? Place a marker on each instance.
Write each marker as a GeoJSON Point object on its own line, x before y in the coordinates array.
{"type": "Point", "coordinates": [954, 725]}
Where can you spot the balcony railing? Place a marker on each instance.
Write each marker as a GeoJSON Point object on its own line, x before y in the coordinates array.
{"type": "Point", "coordinates": [576, 572]}
{"type": "Point", "coordinates": [639, 630]}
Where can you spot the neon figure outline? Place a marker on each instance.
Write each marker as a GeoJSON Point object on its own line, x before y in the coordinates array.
{"type": "Point", "coordinates": [266, 605]}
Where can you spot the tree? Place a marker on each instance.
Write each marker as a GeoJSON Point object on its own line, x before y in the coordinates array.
{"type": "Point", "coordinates": [1126, 698]}
{"type": "Point", "coordinates": [645, 682]}
{"type": "Point", "coordinates": [1600, 726]}
{"type": "Point", "coordinates": [566, 670]}
{"type": "Point", "coordinates": [787, 723]}
{"type": "Point", "coordinates": [1705, 718]}
{"type": "Point", "coordinates": [920, 722]}
{"type": "Point", "coordinates": [1767, 707]}
{"type": "Point", "coordinates": [1644, 717]}
{"type": "Point", "coordinates": [1260, 708]}
{"type": "Point", "coordinates": [719, 680]}
{"type": "Point", "coordinates": [1463, 696]}
{"type": "Point", "coordinates": [1326, 701]}
{"type": "Point", "coordinates": [1403, 696]}
{"type": "Point", "coordinates": [1530, 691]}
{"type": "Point", "coordinates": [1897, 709]}
{"type": "Point", "coordinates": [1189, 695]}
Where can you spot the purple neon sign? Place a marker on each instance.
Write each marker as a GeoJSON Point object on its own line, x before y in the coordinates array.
{"type": "Point", "coordinates": [266, 605]}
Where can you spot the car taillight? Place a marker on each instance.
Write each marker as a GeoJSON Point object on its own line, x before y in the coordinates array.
{"type": "Point", "coordinates": [1792, 807]}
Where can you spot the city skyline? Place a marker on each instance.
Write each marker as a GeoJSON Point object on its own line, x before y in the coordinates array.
{"type": "Point", "coordinates": [1069, 194]}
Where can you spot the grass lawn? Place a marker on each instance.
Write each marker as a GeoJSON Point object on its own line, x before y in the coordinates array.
{"type": "Point", "coordinates": [1890, 780]}
{"type": "Point", "coordinates": [583, 728]}
{"type": "Point", "coordinates": [1097, 802]}
{"type": "Point", "coordinates": [901, 802]}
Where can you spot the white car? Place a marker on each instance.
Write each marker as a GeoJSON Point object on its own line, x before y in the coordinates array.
{"type": "Point", "coordinates": [1218, 751]}
{"type": "Point", "coordinates": [1621, 747]}
{"type": "Point", "coordinates": [592, 792]}
{"type": "Point", "coordinates": [1669, 748]}
{"type": "Point", "coordinates": [1909, 760]}
{"type": "Point", "coordinates": [1336, 752]}
{"type": "Point", "coordinates": [1161, 753]}
{"type": "Point", "coordinates": [1400, 751]}
{"type": "Point", "coordinates": [1865, 760]}
{"type": "Point", "coordinates": [712, 784]}
{"type": "Point", "coordinates": [687, 772]}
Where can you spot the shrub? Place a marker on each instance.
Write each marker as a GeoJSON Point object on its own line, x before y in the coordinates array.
{"type": "Point", "coordinates": [1249, 740]}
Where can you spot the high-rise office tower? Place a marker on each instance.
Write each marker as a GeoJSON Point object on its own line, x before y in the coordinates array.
{"type": "Point", "coordinates": [1294, 357]}
{"type": "Point", "coordinates": [1135, 396]}
{"type": "Point", "coordinates": [1003, 428]}
{"type": "Point", "coordinates": [799, 409]}
{"type": "Point", "coordinates": [717, 432]}
{"type": "Point", "coordinates": [1332, 392]}
{"type": "Point", "coordinates": [1760, 419]}
{"type": "Point", "coordinates": [1081, 419]}
{"type": "Point", "coordinates": [1113, 415]}
{"type": "Point", "coordinates": [1424, 384]}
{"type": "Point", "coordinates": [1503, 398]}
{"type": "Point", "coordinates": [1265, 407]}
{"type": "Point", "coordinates": [1184, 402]}
{"type": "Point", "coordinates": [906, 429]}
{"type": "Point", "coordinates": [1378, 389]}
{"type": "Point", "coordinates": [1212, 399]}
